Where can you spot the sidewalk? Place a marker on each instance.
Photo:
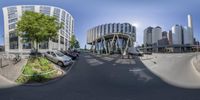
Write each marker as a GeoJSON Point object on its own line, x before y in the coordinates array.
{"type": "Point", "coordinates": [5, 83]}
{"type": "Point", "coordinates": [175, 69]}
{"type": "Point", "coordinates": [12, 71]}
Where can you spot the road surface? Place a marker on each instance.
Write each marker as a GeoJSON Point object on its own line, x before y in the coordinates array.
{"type": "Point", "coordinates": [103, 78]}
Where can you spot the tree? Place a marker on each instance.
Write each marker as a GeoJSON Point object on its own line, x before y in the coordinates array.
{"type": "Point", "coordinates": [37, 28]}
{"type": "Point", "coordinates": [72, 41]}
{"type": "Point", "coordinates": [77, 45]}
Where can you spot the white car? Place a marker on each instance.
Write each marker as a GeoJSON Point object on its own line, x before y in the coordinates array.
{"type": "Point", "coordinates": [58, 58]}
{"type": "Point", "coordinates": [135, 51]}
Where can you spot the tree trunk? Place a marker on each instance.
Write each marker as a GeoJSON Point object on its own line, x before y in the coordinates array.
{"type": "Point", "coordinates": [36, 52]}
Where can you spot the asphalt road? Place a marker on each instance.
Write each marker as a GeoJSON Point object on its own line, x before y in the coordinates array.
{"type": "Point", "coordinates": [103, 78]}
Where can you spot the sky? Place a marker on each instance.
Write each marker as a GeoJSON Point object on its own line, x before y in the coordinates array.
{"type": "Point", "coordinates": [142, 13]}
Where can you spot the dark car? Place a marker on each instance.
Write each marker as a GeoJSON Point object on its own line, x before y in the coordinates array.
{"type": "Point", "coordinates": [148, 53]}
{"type": "Point", "coordinates": [73, 56]}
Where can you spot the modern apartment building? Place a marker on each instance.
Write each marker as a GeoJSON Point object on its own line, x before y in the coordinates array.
{"type": "Point", "coordinates": [111, 38]}
{"type": "Point", "coordinates": [13, 42]}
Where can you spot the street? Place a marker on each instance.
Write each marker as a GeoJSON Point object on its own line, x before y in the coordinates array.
{"type": "Point", "coordinates": [96, 77]}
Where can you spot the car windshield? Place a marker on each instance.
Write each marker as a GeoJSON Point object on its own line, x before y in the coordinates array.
{"type": "Point", "coordinates": [59, 53]}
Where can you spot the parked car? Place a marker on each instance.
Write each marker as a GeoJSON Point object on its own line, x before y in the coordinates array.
{"type": "Point", "coordinates": [74, 52]}
{"type": "Point", "coordinates": [73, 56]}
{"type": "Point", "coordinates": [58, 58]}
{"type": "Point", "coordinates": [77, 50]}
{"type": "Point", "coordinates": [134, 51]}
{"type": "Point", "coordinates": [148, 53]}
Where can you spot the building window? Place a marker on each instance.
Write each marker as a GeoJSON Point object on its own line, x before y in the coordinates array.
{"type": "Point", "coordinates": [12, 20]}
{"type": "Point", "coordinates": [44, 45]}
{"type": "Point", "coordinates": [121, 28]}
{"type": "Point", "coordinates": [63, 16]}
{"type": "Point", "coordinates": [126, 28]}
{"type": "Point", "coordinates": [28, 8]}
{"type": "Point", "coordinates": [129, 28]}
{"type": "Point", "coordinates": [108, 28]}
{"type": "Point", "coordinates": [55, 40]}
{"type": "Point", "coordinates": [104, 29]}
{"type": "Point", "coordinates": [113, 27]}
{"type": "Point", "coordinates": [61, 40]}
{"type": "Point", "coordinates": [13, 40]}
{"type": "Point", "coordinates": [26, 44]}
{"type": "Point", "coordinates": [56, 13]}
{"type": "Point", "coordinates": [12, 26]}
{"type": "Point", "coordinates": [45, 10]}
{"type": "Point", "coordinates": [12, 15]}
{"type": "Point", "coordinates": [133, 30]}
{"type": "Point", "coordinates": [117, 27]}
{"type": "Point", "coordinates": [66, 42]}
{"type": "Point", "coordinates": [12, 10]}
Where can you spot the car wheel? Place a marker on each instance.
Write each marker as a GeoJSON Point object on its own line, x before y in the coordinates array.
{"type": "Point", "coordinates": [60, 64]}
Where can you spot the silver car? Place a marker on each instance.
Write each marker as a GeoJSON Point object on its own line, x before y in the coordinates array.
{"type": "Point", "coordinates": [58, 58]}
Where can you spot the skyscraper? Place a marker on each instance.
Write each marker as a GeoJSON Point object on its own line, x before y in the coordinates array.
{"type": "Point", "coordinates": [164, 34]}
{"type": "Point", "coordinates": [190, 23]}
{"type": "Point", "coordinates": [190, 29]}
{"type": "Point", "coordinates": [156, 34]}
{"type": "Point", "coordinates": [177, 34]}
{"type": "Point", "coordinates": [169, 36]}
{"type": "Point", "coordinates": [148, 36]}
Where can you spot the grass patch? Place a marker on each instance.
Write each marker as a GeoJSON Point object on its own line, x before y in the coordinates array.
{"type": "Point", "coordinates": [37, 69]}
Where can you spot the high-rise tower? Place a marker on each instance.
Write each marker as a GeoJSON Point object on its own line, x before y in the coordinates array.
{"type": "Point", "coordinates": [190, 30]}
{"type": "Point", "coordinates": [190, 23]}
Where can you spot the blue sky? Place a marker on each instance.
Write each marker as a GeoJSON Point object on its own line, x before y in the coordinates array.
{"type": "Point", "coordinates": [144, 13]}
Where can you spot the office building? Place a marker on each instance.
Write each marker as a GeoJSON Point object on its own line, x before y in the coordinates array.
{"type": "Point", "coordinates": [13, 42]}
{"type": "Point", "coordinates": [156, 35]}
{"type": "Point", "coordinates": [169, 37]}
{"type": "Point", "coordinates": [177, 35]}
{"type": "Point", "coordinates": [148, 36]}
{"type": "Point", "coordinates": [111, 38]}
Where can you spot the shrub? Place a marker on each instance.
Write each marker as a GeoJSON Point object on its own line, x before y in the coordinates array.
{"type": "Point", "coordinates": [35, 67]}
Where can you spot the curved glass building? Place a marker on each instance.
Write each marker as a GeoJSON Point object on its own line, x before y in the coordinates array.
{"type": "Point", "coordinates": [111, 38]}
{"type": "Point", "coordinates": [13, 43]}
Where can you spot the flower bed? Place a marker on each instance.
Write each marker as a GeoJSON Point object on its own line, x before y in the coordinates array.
{"type": "Point", "coordinates": [37, 70]}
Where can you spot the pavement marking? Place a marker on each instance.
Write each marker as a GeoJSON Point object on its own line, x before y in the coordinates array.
{"type": "Point", "coordinates": [70, 67]}
{"type": "Point", "coordinates": [94, 62]}
{"type": "Point", "coordinates": [137, 70]}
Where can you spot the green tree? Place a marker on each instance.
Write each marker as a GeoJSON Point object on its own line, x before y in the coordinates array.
{"type": "Point", "coordinates": [37, 27]}
{"type": "Point", "coordinates": [77, 45]}
{"type": "Point", "coordinates": [72, 41]}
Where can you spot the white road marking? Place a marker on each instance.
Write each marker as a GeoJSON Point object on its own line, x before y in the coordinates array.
{"type": "Point", "coordinates": [136, 70]}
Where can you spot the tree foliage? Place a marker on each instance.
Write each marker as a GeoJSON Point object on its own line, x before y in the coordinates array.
{"type": "Point", "coordinates": [73, 42]}
{"type": "Point", "coordinates": [77, 45]}
{"type": "Point", "coordinates": [37, 27]}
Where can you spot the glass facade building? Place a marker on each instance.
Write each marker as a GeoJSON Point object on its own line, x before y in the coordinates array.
{"type": "Point", "coordinates": [14, 44]}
